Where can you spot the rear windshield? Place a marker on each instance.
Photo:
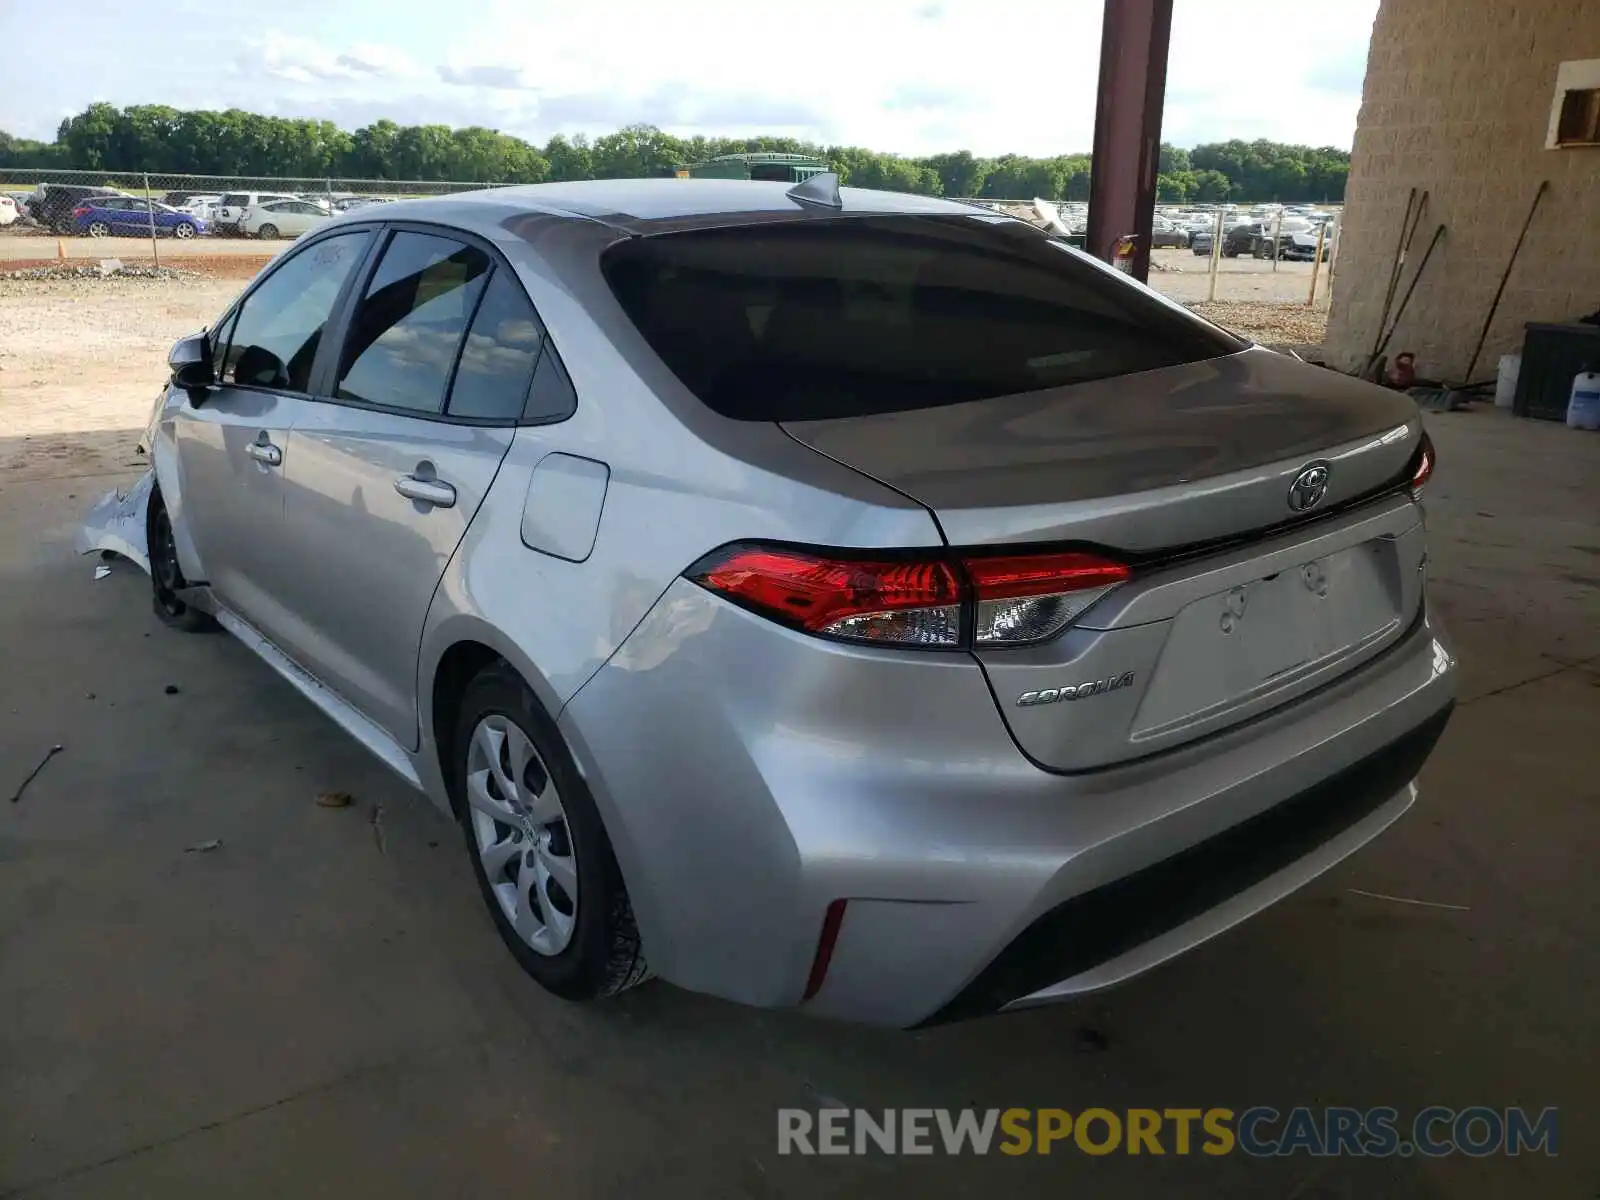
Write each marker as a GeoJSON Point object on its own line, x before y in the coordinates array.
{"type": "Point", "coordinates": [854, 316]}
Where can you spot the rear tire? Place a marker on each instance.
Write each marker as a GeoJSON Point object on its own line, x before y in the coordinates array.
{"type": "Point", "coordinates": [99, 229]}
{"type": "Point", "coordinates": [267, 231]}
{"type": "Point", "coordinates": [166, 577]}
{"type": "Point", "coordinates": [587, 946]}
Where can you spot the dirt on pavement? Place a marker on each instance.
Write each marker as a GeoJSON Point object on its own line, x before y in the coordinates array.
{"type": "Point", "coordinates": [81, 362]}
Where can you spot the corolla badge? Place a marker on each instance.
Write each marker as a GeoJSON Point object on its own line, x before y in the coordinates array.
{"type": "Point", "coordinates": [1082, 691]}
{"type": "Point", "coordinates": [1309, 487]}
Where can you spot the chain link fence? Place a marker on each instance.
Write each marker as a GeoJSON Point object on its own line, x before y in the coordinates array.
{"type": "Point", "coordinates": [192, 211]}
{"type": "Point", "coordinates": [1219, 255]}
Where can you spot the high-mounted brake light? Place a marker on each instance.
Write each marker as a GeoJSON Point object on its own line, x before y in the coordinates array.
{"type": "Point", "coordinates": [933, 601]}
{"type": "Point", "coordinates": [1424, 468]}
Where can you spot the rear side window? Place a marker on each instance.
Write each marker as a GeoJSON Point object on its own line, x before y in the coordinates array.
{"type": "Point", "coordinates": [234, 200]}
{"type": "Point", "coordinates": [279, 327]}
{"type": "Point", "coordinates": [405, 334]}
{"type": "Point", "coordinates": [498, 359]}
{"type": "Point", "coordinates": [853, 316]}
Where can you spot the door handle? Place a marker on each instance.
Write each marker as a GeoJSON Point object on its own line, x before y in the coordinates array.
{"type": "Point", "coordinates": [265, 453]}
{"type": "Point", "coordinates": [426, 491]}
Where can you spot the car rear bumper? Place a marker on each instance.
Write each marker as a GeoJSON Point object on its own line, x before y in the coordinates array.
{"type": "Point", "coordinates": [751, 777]}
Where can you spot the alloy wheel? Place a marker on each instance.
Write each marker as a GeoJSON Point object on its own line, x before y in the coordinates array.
{"type": "Point", "coordinates": [521, 833]}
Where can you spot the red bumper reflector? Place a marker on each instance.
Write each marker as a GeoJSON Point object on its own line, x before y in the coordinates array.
{"type": "Point", "coordinates": [831, 921]}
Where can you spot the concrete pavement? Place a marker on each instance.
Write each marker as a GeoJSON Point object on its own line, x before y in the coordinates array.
{"type": "Point", "coordinates": [319, 1007]}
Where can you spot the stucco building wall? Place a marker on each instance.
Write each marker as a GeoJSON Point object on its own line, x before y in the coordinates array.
{"type": "Point", "coordinates": [1457, 102]}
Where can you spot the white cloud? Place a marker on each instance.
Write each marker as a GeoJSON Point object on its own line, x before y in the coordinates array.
{"type": "Point", "coordinates": [301, 60]}
{"type": "Point", "coordinates": [913, 76]}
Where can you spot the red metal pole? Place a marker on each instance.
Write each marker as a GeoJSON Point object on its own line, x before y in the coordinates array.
{"type": "Point", "coordinates": [1127, 126]}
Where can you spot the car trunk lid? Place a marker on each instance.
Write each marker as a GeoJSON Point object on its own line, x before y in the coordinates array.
{"type": "Point", "coordinates": [1238, 602]}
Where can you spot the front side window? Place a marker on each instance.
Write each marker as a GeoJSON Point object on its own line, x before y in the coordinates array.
{"type": "Point", "coordinates": [280, 323]}
{"type": "Point", "coordinates": [408, 328]}
{"type": "Point", "coordinates": [859, 315]}
{"type": "Point", "coordinates": [498, 359]}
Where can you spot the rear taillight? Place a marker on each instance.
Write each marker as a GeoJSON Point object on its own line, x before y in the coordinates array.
{"type": "Point", "coordinates": [1026, 598]}
{"type": "Point", "coordinates": [937, 600]}
{"type": "Point", "coordinates": [909, 602]}
{"type": "Point", "coordinates": [1423, 470]}
{"type": "Point", "coordinates": [80, 210]}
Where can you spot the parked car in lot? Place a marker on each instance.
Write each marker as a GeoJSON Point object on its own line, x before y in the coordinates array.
{"type": "Point", "coordinates": [231, 206]}
{"type": "Point", "coordinates": [1241, 239]}
{"type": "Point", "coordinates": [1302, 247]}
{"type": "Point", "coordinates": [203, 206]}
{"type": "Point", "coordinates": [52, 204]}
{"type": "Point", "coordinates": [831, 599]}
{"type": "Point", "coordinates": [281, 218]}
{"type": "Point", "coordinates": [8, 210]}
{"type": "Point", "coordinates": [1273, 237]}
{"type": "Point", "coordinates": [112, 216]}
{"type": "Point", "coordinates": [1164, 234]}
{"type": "Point", "coordinates": [361, 202]}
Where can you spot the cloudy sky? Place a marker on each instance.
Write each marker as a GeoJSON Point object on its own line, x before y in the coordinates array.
{"type": "Point", "coordinates": [912, 76]}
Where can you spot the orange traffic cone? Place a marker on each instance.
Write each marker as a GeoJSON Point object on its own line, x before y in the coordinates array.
{"type": "Point", "coordinates": [61, 251]}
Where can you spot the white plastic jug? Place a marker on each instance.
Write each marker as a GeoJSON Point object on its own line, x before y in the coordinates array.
{"type": "Point", "coordinates": [1505, 382]}
{"type": "Point", "coordinates": [1583, 406]}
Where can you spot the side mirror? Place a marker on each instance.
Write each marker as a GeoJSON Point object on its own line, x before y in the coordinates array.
{"type": "Point", "coordinates": [190, 361]}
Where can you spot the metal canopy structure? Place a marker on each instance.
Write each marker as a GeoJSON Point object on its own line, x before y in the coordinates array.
{"type": "Point", "coordinates": [1127, 127]}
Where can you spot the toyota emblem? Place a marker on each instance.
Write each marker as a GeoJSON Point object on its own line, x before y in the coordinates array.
{"type": "Point", "coordinates": [1309, 487]}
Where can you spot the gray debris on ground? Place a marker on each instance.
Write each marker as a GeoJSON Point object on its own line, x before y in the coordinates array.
{"type": "Point", "coordinates": [98, 271]}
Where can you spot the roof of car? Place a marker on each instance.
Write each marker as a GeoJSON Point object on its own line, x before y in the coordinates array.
{"type": "Point", "coordinates": [651, 205]}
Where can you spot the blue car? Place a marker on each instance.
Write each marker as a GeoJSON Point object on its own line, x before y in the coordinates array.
{"type": "Point", "coordinates": [111, 216]}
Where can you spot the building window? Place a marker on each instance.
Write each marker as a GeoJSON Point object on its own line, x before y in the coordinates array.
{"type": "Point", "coordinates": [1579, 122]}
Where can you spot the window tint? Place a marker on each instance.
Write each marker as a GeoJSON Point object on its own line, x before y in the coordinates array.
{"type": "Point", "coordinates": [552, 397]}
{"type": "Point", "coordinates": [234, 200]}
{"type": "Point", "coordinates": [498, 358]}
{"type": "Point", "coordinates": [404, 336]}
{"type": "Point", "coordinates": [275, 338]}
{"type": "Point", "coordinates": [843, 317]}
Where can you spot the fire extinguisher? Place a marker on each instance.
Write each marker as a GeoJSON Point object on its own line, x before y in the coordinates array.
{"type": "Point", "coordinates": [1122, 255]}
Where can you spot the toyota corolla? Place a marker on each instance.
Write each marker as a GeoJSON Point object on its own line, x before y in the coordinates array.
{"type": "Point", "coordinates": [813, 597]}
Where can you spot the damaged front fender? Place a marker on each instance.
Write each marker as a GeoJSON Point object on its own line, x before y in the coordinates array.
{"type": "Point", "coordinates": [117, 523]}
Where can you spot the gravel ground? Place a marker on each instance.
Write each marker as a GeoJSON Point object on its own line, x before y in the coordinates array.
{"type": "Point", "coordinates": [1271, 324]}
{"type": "Point", "coordinates": [81, 360]}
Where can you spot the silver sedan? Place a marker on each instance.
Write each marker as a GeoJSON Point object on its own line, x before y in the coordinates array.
{"type": "Point", "coordinates": [818, 598]}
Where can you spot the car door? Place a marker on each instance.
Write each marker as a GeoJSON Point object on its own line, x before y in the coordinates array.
{"type": "Point", "coordinates": [301, 217]}
{"type": "Point", "coordinates": [130, 218]}
{"type": "Point", "coordinates": [233, 445]}
{"type": "Point", "coordinates": [386, 474]}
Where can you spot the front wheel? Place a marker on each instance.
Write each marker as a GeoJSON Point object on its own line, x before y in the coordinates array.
{"type": "Point", "coordinates": [166, 577]}
{"type": "Point", "coordinates": [184, 230]}
{"type": "Point", "coordinates": [267, 231]}
{"type": "Point", "coordinates": [540, 852]}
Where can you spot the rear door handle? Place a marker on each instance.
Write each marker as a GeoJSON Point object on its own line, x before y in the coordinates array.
{"type": "Point", "coordinates": [265, 453]}
{"type": "Point", "coordinates": [426, 491]}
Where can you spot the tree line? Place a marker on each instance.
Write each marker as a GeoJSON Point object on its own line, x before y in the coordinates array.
{"type": "Point", "coordinates": [162, 140]}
